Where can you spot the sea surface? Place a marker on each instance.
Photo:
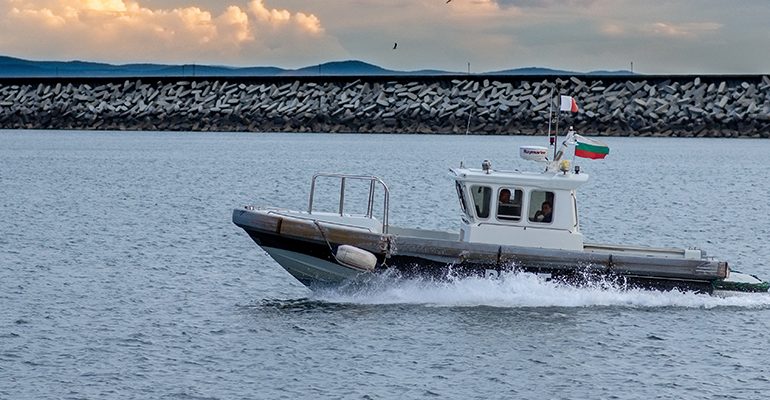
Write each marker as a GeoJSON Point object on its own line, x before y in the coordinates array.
{"type": "Point", "coordinates": [123, 277]}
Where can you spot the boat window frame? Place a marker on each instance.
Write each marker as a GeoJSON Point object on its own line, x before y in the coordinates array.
{"type": "Point", "coordinates": [576, 220]}
{"type": "Point", "coordinates": [511, 218]}
{"type": "Point", "coordinates": [463, 200]}
{"type": "Point", "coordinates": [531, 212]}
{"type": "Point", "coordinates": [488, 200]}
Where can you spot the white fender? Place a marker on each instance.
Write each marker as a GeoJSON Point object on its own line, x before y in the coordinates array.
{"type": "Point", "coordinates": [356, 258]}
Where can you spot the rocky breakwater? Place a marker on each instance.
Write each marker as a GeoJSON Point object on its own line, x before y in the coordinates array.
{"type": "Point", "coordinates": [717, 106]}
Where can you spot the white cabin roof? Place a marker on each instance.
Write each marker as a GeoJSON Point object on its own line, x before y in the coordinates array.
{"type": "Point", "coordinates": [544, 180]}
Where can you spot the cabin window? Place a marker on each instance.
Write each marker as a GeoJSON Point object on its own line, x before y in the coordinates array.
{"type": "Point", "coordinates": [509, 204]}
{"type": "Point", "coordinates": [481, 197]}
{"type": "Point", "coordinates": [541, 206]}
{"type": "Point", "coordinates": [461, 195]}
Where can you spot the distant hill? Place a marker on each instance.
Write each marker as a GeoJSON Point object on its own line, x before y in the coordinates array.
{"type": "Point", "coordinates": [531, 71]}
{"type": "Point", "coordinates": [549, 71]}
{"type": "Point", "coordinates": [17, 67]}
{"type": "Point", "coordinates": [355, 67]}
{"type": "Point", "coordinates": [620, 72]}
{"type": "Point", "coordinates": [351, 67]}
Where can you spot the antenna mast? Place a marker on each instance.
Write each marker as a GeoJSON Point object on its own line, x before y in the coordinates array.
{"type": "Point", "coordinates": [556, 133]}
{"type": "Point", "coordinates": [468, 127]}
{"type": "Point", "coordinates": [550, 117]}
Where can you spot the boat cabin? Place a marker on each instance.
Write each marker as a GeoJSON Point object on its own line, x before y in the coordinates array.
{"type": "Point", "coordinates": [519, 208]}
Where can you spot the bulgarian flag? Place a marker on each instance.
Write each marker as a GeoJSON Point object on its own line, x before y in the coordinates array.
{"type": "Point", "coordinates": [590, 148]}
{"type": "Point", "coordinates": [568, 103]}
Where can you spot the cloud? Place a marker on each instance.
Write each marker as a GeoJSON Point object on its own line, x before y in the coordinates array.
{"type": "Point", "coordinates": [128, 30]}
{"type": "Point", "coordinates": [664, 36]}
{"type": "Point", "coordinates": [543, 3]}
{"type": "Point", "coordinates": [612, 29]}
{"type": "Point", "coordinates": [688, 30]}
{"type": "Point", "coordinates": [685, 30]}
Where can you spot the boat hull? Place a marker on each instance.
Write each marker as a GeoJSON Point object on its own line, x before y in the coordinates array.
{"type": "Point", "coordinates": [307, 263]}
{"type": "Point", "coordinates": [311, 271]}
{"type": "Point", "coordinates": [305, 248]}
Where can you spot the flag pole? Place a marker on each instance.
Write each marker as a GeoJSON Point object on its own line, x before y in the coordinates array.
{"type": "Point", "coordinates": [468, 127]}
{"type": "Point", "coordinates": [556, 134]}
{"type": "Point", "coordinates": [550, 115]}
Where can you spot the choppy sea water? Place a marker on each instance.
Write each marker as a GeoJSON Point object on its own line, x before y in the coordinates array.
{"type": "Point", "coordinates": [121, 275]}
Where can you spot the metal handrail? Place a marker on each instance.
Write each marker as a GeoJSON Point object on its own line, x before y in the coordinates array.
{"type": "Point", "coordinates": [373, 180]}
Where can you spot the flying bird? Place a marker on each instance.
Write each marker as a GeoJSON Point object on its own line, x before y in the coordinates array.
{"type": "Point", "coordinates": [395, 45]}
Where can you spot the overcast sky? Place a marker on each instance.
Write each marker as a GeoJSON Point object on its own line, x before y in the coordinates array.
{"type": "Point", "coordinates": [680, 37]}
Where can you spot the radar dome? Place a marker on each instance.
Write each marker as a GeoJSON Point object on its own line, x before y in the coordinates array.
{"type": "Point", "coordinates": [533, 153]}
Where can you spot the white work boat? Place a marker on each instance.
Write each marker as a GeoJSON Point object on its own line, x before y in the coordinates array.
{"type": "Point", "coordinates": [510, 221]}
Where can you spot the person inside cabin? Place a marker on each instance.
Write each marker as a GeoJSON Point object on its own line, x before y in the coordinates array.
{"type": "Point", "coordinates": [505, 196]}
{"type": "Point", "coordinates": [545, 213]}
{"type": "Point", "coordinates": [508, 208]}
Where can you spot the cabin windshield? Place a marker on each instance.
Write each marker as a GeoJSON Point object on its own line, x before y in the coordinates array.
{"type": "Point", "coordinates": [509, 204]}
{"type": "Point", "coordinates": [481, 198]}
{"type": "Point", "coordinates": [541, 206]}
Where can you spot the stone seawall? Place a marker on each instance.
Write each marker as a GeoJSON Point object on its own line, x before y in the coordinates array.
{"type": "Point", "coordinates": [713, 106]}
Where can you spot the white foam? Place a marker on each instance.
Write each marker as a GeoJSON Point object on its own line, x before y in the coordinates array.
{"type": "Point", "coordinates": [524, 290]}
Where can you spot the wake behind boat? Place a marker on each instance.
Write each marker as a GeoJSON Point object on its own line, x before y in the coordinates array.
{"type": "Point", "coordinates": [509, 221]}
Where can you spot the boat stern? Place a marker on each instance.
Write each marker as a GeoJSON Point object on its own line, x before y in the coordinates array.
{"type": "Point", "coordinates": [739, 282]}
